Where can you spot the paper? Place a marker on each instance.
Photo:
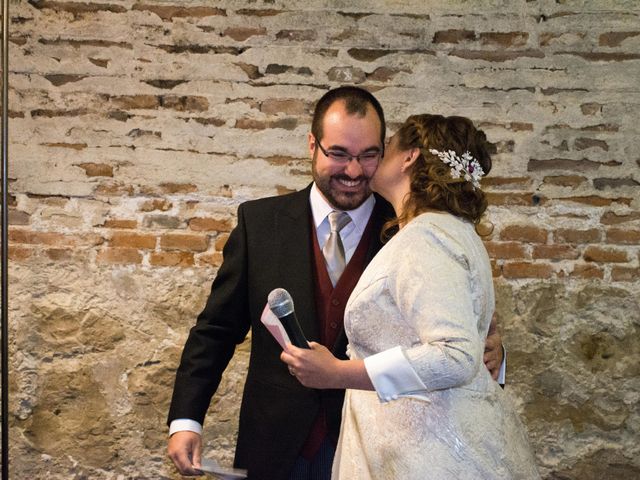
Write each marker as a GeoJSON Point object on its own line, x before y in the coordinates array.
{"type": "Point", "coordinates": [274, 326]}
{"type": "Point", "coordinates": [209, 465]}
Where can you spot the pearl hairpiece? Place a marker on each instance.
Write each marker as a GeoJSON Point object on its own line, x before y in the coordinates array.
{"type": "Point", "coordinates": [461, 166]}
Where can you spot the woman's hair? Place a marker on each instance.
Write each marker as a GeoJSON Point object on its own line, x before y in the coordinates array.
{"type": "Point", "coordinates": [432, 185]}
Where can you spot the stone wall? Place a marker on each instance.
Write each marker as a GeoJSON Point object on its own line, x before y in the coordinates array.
{"type": "Point", "coordinates": [137, 127]}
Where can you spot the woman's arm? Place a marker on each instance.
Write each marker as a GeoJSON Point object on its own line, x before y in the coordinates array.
{"type": "Point", "coordinates": [318, 368]}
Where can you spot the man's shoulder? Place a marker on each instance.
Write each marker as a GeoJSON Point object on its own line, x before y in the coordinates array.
{"type": "Point", "coordinates": [261, 206]}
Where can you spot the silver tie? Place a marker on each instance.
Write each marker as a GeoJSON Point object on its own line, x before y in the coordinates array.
{"type": "Point", "coordinates": [334, 250]}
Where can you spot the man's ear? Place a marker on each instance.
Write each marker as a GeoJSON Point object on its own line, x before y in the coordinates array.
{"type": "Point", "coordinates": [311, 140]}
{"type": "Point", "coordinates": [410, 159]}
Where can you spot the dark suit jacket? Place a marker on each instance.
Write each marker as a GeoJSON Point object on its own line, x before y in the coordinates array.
{"type": "Point", "coordinates": [270, 248]}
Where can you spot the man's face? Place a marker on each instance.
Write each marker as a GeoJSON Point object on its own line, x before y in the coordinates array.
{"type": "Point", "coordinates": [345, 185]}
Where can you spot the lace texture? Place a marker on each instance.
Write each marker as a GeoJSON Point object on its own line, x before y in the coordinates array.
{"type": "Point", "coordinates": [430, 290]}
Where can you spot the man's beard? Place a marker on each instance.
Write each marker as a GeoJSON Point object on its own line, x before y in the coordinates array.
{"type": "Point", "coordinates": [338, 199]}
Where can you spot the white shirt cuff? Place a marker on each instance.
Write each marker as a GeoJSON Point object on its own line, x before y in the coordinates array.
{"type": "Point", "coordinates": [392, 375]}
{"type": "Point", "coordinates": [184, 424]}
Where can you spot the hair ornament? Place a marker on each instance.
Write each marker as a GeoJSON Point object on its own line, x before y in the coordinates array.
{"type": "Point", "coordinates": [461, 166]}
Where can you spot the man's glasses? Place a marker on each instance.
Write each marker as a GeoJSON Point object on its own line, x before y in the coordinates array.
{"type": "Point", "coordinates": [366, 159]}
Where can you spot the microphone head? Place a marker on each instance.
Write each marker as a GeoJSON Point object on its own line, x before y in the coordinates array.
{"type": "Point", "coordinates": [280, 302]}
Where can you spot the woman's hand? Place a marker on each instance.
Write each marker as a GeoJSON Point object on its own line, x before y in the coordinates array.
{"type": "Point", "coordinates": [315, 367]}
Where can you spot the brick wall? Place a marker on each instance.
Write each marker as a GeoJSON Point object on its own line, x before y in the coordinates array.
{"type": "Point", "coordinates": [138, 127]}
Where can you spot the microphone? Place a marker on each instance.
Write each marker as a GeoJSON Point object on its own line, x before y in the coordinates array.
{"type": "Point", "coordinates": [281, 304]}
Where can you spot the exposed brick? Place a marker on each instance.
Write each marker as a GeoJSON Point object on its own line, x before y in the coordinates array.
{"type": "Point", "coordinates": [612, 218]}
{"type": "Point", "coordinates": [384, 74]}
{"type": "Point", "coordinates": [602, 56]}
{"type": "Point", "coordinates": [72, 146]}
{"type": "Point", "coordinates": [597, 201]}
{"type": "Point", "coordinates": [602, 127]}
{"type": "Point", "coordinates": [17, 217]}
{"type": "Point", "coordinates": [216, 122]}
{"type": "Point", "coordinates": [504, 39]}
{"type": "Point", "coordinates": [297, 35]}
{"type": "Point", "coordinates": [505, 250]}
{"type": "Point", "coordinates": [119, 256]}
{"type": "Point", "coordinates": [252, 71]}
{"type": "Point", "coordinates": [170, 12]}
{"type": "Point", "coordinates": [514, 198]}
{"type": "Point", "coordinates": [583, 143]}
{"type": "Point", "coordinates": [64, 254]}
{"type": "Point", "coordinates": [133, 102]}
{"type": "Point", "coordinates": [19, 253]}
{"type": "Point", "coordinates": [77, 7]}
{"type": "Point", "coordinates": [221, 241]}
{"type": "Point", "coordinates": [575, 236]}
{"type": "Point", "coordinates": [497, 55]}
{"type": "Point", "coordinates": [604, 255]}
{"type": "Point", "coordinates": [524, 233]}
{"type": "Point", "coordinates": [114, 189]}
{"type": "Point", "coordinates": [156, 204]}
{"type": "Point", "coordinates": [185, 103]}
{"type": "Point", "coordinates": [44, 238]}
{"type": "Point", "coordinates": [254, 124]}
{"type": "Point", "coordinates": [240, 34]}
{"type": "Point", "coordinates": [259, 12]}
{"type": "Point", "coordinates": [214, 259]}
{"type": "Point", "coordinates": [591, 108]}
{"type": "Point", "coordinates": [209, 224]}
{"type": "Point", "coordinates": [505, 181]}
{"type": "Point", "coordinates": [184, 241]}
{"type": "Point", "coordinates": [133, 240]}
{"type": "Point", "coordinates": [625, 274]}
{"type": "Point", "coordinates": [368, 54]}
{"type": "Point", "coordinates": [526, 270]}
{"type": "Point", "coordinates": [165, 84]}
{"type": "Point", "coordinates": [99, 62]}
{"type": "Point", "coordinates": [496, 269]}
{"type": "Point", "coordinates": [85, 43]}
{"type": "Point", "coordinates": [120, 223]}
{"type": "Point", "coordinates": [49, 113]}
{"type": "Point", "coordinates": [604, 183]}
{"type": "Point", "coordinates": [171, 259]}
{"type": "Point", "coordinates": [172, 188]}
{"type": "Point", "coordinates": [454, 36]}
{"type": "Point", "coordinates": [565, 180]}
{"type": "Point", "coordinates": [623, 237]}
{"type": "Point", "coordinates": [563, 164]}
{"type": "Point", "coordinates": [291, 106]}
{"type": "Point", "coordinates": [162, 221]}
{"type": "Point", "coordinates": [587, 271]}
{"type": "Point", "coordinates": [97, 169]}
{"type": "Point", "coordinates": [614, 39]}
{"type": "Point", "coordinates": [555, 252]}
{"type": "Point", "coordinates": [61, 79]}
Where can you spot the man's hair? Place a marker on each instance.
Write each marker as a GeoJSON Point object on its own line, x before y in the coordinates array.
{"type": "Point", "coordinates": [356, 100]}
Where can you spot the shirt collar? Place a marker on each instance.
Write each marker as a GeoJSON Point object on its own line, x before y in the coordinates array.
{"type": "Point", "coordinates": [320, 208]}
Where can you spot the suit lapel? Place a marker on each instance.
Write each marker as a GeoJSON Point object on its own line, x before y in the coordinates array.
{"type": "Point", "coordinates": [293, 228]}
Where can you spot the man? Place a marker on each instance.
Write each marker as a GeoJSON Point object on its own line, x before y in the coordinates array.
{"type": "Point", "coordinates": [287, 431]}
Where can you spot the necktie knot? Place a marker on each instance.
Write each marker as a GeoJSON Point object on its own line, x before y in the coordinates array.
{"type": "Point", "coordinates": [338, 220]}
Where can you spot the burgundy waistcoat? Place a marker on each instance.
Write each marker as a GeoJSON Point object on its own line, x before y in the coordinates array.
{"type": "Point", "coordinates": [330, 304]}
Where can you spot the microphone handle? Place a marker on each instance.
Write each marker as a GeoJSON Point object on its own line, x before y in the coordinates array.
{"type": "Point", "coordinates": [292, 327]}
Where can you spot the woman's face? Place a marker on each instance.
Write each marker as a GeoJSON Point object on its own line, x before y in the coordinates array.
{"type": "Point", "coordinates": [389, 173]}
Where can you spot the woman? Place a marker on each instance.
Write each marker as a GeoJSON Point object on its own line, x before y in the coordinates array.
{"type": "Point", "coordinates": [418, 404]}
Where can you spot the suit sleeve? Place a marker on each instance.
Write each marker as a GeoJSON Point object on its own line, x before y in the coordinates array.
{"type": "Point", "coordinates": [222, 325]}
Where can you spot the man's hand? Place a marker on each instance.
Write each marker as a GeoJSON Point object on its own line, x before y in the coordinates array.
{"type": "Point", "coordinates": [493, 352]}
{"type": "Point", "coordinates": [185, 449]}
